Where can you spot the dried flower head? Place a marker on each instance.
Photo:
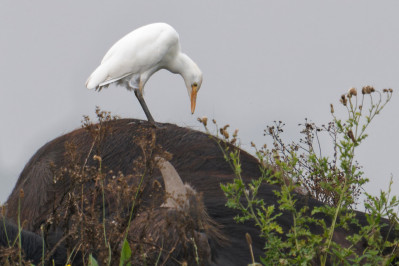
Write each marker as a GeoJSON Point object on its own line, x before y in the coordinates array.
{"type": "Point", "coordinates": [352, 92]}
{"type": "Point", "coordinates": [204, 120]}
{"type": "Point", "coordinates": [97, 158]}
{"type": "Point", "coordinates": [367, 89]}
{"type": "Point", "coordinates": [332, 108]}
{"type": "Point", "coordinates": [343, 99]}
{"type": "Point", "coordinates": [21, 193]}
{"type": "Point", "coordinates": [351, 136]}
{"type": "Point", "coordinates": [249, 239]}
{"type": "Point", "coordinates": [271, 130]}
{"type": "Point", "coordinates": [387, 90]}
{"type": "Point", "coordinates": [235, 134]}
{"type": "Point", "coordinates": [226, 134]}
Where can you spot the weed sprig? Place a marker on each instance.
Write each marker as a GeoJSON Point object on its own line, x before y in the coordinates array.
{"type": "Point", "coordinates": [335, 180]}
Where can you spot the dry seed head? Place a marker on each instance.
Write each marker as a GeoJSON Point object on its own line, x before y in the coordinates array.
{"type": "Point", "coordinates": [343, 99]}
{"type": "Point", "coordinates": [226, 134]}
{"type": "Point", "coordinates": [249, 239]}
{"type": "Point", "coordinates": [204, 120]}
{"type": "Point", "coordinates": [364, 90]}
{"type": "Point", "coordinates": [351, 136]}
{"type": "Point", "coordinates": [252, 144]}
{"type": "Point", "coordinates": [352, 91]}
{"type": "Point", "coordinates": [332, 108]}
{"type": "Point", "coordinates": [21, 193]}
{"type": "Point", "coordinates": [385, 90]}
{"type": "Point", "coordinates": [97, 158]}
{"type": "Point", "coordinates": [390, 90]}
{"type": "Point", "coordinates": [271, 130]}
{"type": "Point", "coordinates": [235, 133]}
{"type": "Point", "coordinates": [226, 126]}
{"type": "Point", "coordinates": [214, 121]}
{"type": "Point", "coordinates": [367, 89]}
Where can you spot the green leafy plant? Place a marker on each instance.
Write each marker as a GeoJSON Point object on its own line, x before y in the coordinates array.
{"type": "Point", "coordinates": [125, 254]}
{"type": "Point", "coordinates": [335, 180]}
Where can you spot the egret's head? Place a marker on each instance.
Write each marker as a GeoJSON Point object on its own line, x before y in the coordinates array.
{"type": "Point", "coordinates": [193, 84]}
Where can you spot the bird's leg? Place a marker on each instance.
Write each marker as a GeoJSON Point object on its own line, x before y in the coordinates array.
{"type": "Point", "coordinates": [139, 96]}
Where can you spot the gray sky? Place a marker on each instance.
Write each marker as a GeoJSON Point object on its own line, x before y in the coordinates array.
{"type": "Point", "coordinates": [262, 61]}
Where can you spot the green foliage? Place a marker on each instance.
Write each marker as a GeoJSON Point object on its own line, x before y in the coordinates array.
{"type": "Point", "coordinates": [92, 261]}
{"type": "Point", "coordinates": [335, 180]}
{"type": "Point", "coordinates": [125, 254]}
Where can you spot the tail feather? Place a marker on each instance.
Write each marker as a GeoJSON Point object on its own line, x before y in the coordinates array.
{"type": "Point", "coordinates": [97, 77]}
{"type": "Point", "coordinates": [101, 78]}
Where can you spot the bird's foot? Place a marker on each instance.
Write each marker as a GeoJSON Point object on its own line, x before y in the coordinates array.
{"type": "Point", "coordinates": [156, 125]}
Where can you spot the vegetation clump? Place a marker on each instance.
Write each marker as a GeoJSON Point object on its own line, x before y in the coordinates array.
{"type": "Point", "coordinates": [104, 216]}
{"type": "Point", "coordinates": [335, 180]}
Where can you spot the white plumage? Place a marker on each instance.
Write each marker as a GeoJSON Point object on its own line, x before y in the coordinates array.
{"type": "Point", "coordinates": [132, 60]}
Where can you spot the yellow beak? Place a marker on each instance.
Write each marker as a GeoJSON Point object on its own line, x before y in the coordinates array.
{"type": "Point", "coordinates": [193, 98]}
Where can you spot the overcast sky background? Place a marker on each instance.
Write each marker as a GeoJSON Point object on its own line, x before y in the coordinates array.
{"type": "Point", "coordinates": [262, 61]}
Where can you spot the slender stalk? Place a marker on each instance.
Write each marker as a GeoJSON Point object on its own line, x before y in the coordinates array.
{"type": "Point", "coordinates": [238, 175]}
{"type": "Point", "coordinates": [5, 231]}
{"type": "Point", "coordinates": [43, 245]}
{"type": "Point", "coordinates": [19, 232]}
{"type": "Point", "coordinates": [246, 194]}
{"type": "Point", "coordinates": [134, 203]}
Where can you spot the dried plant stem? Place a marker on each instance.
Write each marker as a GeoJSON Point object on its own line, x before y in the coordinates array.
{"type": "Point", "coordinates": [19, 232]}
{"type": "Point", "coordinates": [133, 205]}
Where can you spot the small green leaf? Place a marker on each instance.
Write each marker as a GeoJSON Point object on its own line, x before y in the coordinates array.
{"type": "Point", "coordinates": [125, 254]}
{"type": "Point", "coordinates": [92, 261]}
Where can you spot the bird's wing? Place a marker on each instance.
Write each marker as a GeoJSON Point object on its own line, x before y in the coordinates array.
{"type": "Point", "coordinates": [141, 38]}
{"type": "Point", "coordinates": [110, 80]}
{"type": "Point", "coordinates": [101, 76]}
{"type": "Point", "coordinates": [135, 53]}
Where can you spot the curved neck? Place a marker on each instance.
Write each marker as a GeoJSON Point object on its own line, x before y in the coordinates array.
{"type": "Point", "coordinates": [181, 65]}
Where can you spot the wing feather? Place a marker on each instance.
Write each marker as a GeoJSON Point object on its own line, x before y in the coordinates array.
{"type": "Point", "coordinates": [135, 53]}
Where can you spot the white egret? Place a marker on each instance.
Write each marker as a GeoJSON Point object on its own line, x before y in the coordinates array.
{"type": "Point", "coordinates": [133, 59]}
